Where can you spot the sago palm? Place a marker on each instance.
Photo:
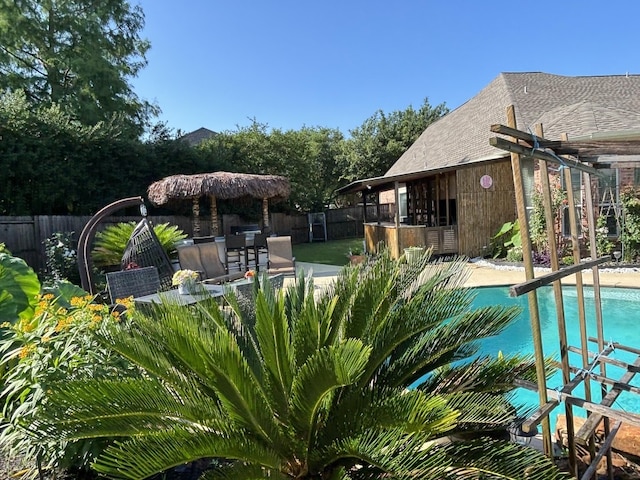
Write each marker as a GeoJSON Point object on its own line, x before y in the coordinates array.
{"type": "Point", "coordinates": [378, 377]}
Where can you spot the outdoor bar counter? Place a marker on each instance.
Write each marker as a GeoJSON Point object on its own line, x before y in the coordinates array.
{"type": "Point", "coordinates": [443, 240]}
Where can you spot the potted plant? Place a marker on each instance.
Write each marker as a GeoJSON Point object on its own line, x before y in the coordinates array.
{"type": "Point", "coordinates": [413, 254]}
{"type": "Point", "coordinates": [356, 255]}
{"type": "Point", "coordinates": [185, 281]}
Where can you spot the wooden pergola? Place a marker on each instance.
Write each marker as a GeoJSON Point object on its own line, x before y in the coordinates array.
{"type": "Point", "coordinates": [584, 158]}
{"type": "Point", "coordinates": [218, 185]}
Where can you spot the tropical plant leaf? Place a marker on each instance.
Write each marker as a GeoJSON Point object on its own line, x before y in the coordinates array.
{"type": "Point", "coordinates": [19, 287]}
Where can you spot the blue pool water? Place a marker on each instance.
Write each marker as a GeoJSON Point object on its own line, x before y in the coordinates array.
{"type": "Point", "coordinates": [621, 323]}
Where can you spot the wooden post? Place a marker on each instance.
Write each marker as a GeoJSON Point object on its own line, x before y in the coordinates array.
{"type": "Point", "coordinates": [531, 296]}
{"type": "Point", "coordinates": [582, 320]}
{"type": "Point", "coordinates": [214, 215]}
{"type": "Point", "coordinates": [265, 214]}
{"type": "Point", "coordinates": [591, 220]}
{"type": "Point", "coordinates": [195, 220]}
{"type": "Point", "coordinates": [557, 291]}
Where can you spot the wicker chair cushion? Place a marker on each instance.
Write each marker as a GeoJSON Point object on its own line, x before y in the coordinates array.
{"type": "Point", "coordinates": [133, 283]}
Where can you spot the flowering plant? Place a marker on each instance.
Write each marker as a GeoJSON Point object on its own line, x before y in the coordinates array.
{"type": "Point", "coordinates": [182, 276]}
{"type": "Point", "coordinates": [249, 274]}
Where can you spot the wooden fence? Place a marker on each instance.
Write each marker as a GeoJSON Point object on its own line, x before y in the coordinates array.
{"type": "Point", "coordinates": [25, 236]}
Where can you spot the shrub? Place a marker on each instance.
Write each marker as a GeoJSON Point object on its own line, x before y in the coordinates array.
{"type": "Point", "coordinates": [376, 377]}
{"type": "Point", "coordinates": [61, 259]}
{"type": "Point", "coordinates": [56, 344]}
{"type": "Point", "coordinates": [112, 241]}
{"type": "Point", "coordinates": [507, 237]}
{"type": "Point", "coordinates": [514, 254]}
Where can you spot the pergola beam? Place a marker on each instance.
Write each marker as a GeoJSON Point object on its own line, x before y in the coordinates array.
{"type": "Point", "coordinates": [539, 154]}
{"type": "Point", "coordinates": [581, 148]}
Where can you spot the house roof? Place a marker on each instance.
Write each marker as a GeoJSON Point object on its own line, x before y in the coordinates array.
{"type": "Point", "coordinates": [198, 136]}
{"type": "Point", "coordinates": [578, 106]}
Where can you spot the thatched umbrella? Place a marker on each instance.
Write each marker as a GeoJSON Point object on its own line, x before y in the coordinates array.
{"type": "Point", "coordinates": [223, 185]}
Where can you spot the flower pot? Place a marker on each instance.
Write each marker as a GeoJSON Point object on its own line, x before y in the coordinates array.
{"type": "Point", "coordinates": [413, 254]}
{"type": "Point", "coordinates": [187, 288]}
{"type": "Point", "coordinates": [357, 259]}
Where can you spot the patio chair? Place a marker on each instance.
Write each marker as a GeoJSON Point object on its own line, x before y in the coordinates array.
{"type": "Point", "coordinates": [280, 255]}
{"type": "Point", "coordinates": [205, 259]}
{"type": "Point", "coordinates": [259, 250]}
{"type": "Point", "coordinates": [136, 282]}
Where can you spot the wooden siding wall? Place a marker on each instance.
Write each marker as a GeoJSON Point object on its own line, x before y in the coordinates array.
{"type": "Point", "coordinates": [481, 212]}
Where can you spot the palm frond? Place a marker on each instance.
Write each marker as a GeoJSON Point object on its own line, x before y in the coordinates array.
{"type": "Point", "coordinates": [331, 368]}
{"type": "Point", "coordinates": [141, 457]}
{"type": "Point", "coordinates": [494, 459]}
{"type": "Point", "coordinates": [481, 411]}
{"type": "Point", "coordinates": [275, 341]}
{"type": "Point", "coordinates": [241, 471]}
{"type": "Point", "coordinates": [115, 408]}
{"type": "Point", "coordinates": [383, 453]}
{"type": "Point", "coordinates": [483, 374]}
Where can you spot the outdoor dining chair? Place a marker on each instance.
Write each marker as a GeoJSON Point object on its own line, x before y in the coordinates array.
{"type": "Point", "coordinates": [204, 258]}
{"type": "Point", "coordinates": [280, 255]}
{"type": "Point", "coordinates": [236, 251]}
{"type": "Point", "coordinates": [258, 253]}
{"type": "Point", "coordinates": [136, 282]}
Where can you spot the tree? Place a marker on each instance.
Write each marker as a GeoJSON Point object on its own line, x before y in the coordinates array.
{"type": "Point", "coordinates": [311, 389]}
{"type": "Point", "coordinates": [375, 146]}
{"type": "Point", "coordinates": [76, 53]}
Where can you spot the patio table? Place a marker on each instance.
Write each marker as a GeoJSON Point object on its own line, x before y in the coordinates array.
{"type": "Point", "coordinates": [172, 296]}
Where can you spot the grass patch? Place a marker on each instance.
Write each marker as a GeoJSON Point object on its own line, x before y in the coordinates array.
{"type": "Point", "coordinates": [334, 252]}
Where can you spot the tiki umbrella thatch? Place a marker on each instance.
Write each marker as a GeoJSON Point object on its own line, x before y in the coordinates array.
{"type": "Point", "coordinates": [223, 185]}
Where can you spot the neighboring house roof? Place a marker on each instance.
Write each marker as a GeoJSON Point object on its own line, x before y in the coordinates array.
{"type": "Point", "coordinates": [578, 106]}
{"type": "Point", "coordinates": [198, 136]}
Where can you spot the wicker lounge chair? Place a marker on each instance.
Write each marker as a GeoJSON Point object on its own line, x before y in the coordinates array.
{"type": "Point", "coordinates": [280, 255]}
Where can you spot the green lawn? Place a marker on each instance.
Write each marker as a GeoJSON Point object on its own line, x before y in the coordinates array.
{"type": "Point", "coordinates": [334, 252]}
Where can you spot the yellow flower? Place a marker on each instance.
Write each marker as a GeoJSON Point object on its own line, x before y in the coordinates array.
{"type": "Point", "coordinates": [27, 350]}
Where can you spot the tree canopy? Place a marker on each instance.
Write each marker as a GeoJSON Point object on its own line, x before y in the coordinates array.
{"type": "Point", "coordinates": [79, 54]}
{"type": "Point", "coordinates": [383, 138]}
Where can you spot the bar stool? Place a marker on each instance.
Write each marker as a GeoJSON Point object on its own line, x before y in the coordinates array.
{"type": "Point", "coordinates": [236, 251]}
{"type": "Point", "coordinates": [260, 248]}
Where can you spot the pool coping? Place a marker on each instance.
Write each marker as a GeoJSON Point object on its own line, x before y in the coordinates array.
{"type": "Point", "coordinates": [483, 274]}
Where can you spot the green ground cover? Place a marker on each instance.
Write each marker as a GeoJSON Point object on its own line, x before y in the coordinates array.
{"type": "Point", "coordinates": [334, 252]}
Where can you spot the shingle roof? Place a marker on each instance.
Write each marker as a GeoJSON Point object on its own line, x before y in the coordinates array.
{"type": "Point", "coordinates": [198, 136]}
{"type": "Point", "coordinates": [577, 106]}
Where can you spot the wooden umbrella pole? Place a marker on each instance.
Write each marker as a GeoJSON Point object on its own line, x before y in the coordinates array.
{"type": "Point", "coordinates": [195, 221]}
{"type": "Point", "coordinates": [214, 215]}
{"type": "Point", "coordinates": [265, 214]}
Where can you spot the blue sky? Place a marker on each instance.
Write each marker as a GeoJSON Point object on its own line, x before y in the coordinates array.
{"type": "Point", "coordinates": [331, 63]}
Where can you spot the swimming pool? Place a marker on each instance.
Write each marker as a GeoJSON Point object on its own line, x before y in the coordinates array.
{"type": "Point", "coordinates": [620, 314]}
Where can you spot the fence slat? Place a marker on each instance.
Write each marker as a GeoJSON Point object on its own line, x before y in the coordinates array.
{"type": "Point", "coordinates": [24, 236]}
